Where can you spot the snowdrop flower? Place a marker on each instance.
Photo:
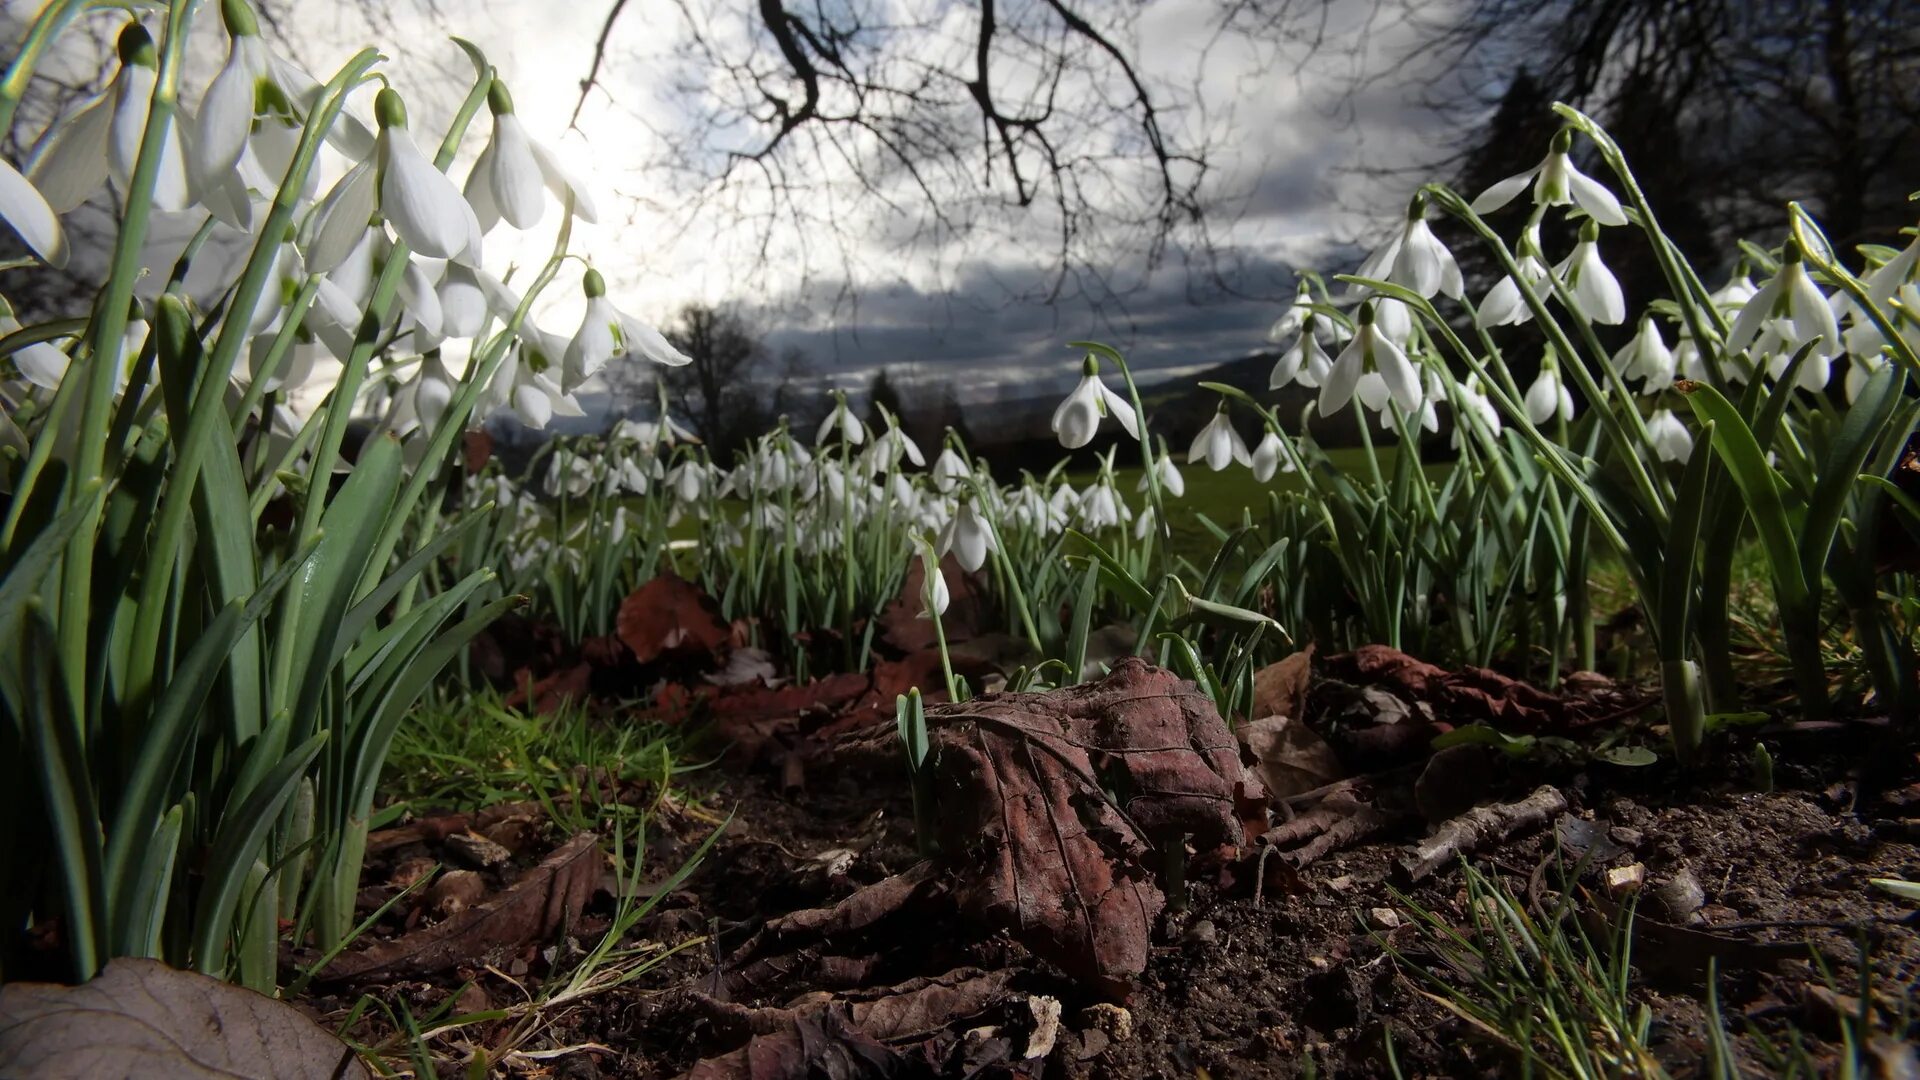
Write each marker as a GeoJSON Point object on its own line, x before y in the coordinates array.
{"type": "Point", "coordinates": [42, 363]}
{"type": "Point", "coordinates": [841, 419]}
{"type": "Point", "coordinates": [688, 480]}
{"type": "Point", "coordinates": [607, 332]}
{"type": "Point", "coordinates": [1269, 456]}
{"type": "Point", "coordinates": [1504, 304]}
{"type": "Point", "coordinates": [1647, 358]}
{"type": "Point", "coordinates": [571, 475]}
{"type": "Point", "coordinates": [1556, 182]}
{"type": "Point", "coordinates": [1218, 444]}
{"type": "Point", "coordinates": [934, 597]}
{"type": "Point", "coordinates": [1370, 353]}
{"type": "Point", "coordinates": [1101, 506]}
{"type": "Point", "coordinates": [948, 471]}
{"type": "Point", "coordinates": [1167, 473]}
{"type": "Point", "coordinates": [103, 139]}
{"type": "Point", "coordinates": [1548, 397]}
{"type": "Point", "coordinates": [1078, 417]}
{"type": "Point", "coordinates": [1473, 405]}
{"type": "Point", "coordinates": [513, 173]}
{"type": "Point", "coordinates": [1596, 292]}
{"type": "Point", "coordinates": [1671, 439]}
{"type": "Point", "coordinates": [1415, 258]}
{"type": "Point", "coordinates": [1304, 361]}
{"type": "Point", "coordinates": [892, 445]}
{"type": "Point", "coordinates": [1686, 357]}
{"type": "Point", "coordinates": [1393, 320]}
{"type": "Point", "coordinates": [398, 182]}
{"type": "Point", "coordinates": [968, 536]}
{"type": "Point", "coordinates": [522, 381]}
{"type": "Point", "coordinates": [1294, 318]}
{"type": "Point", "coordinates": [432, 392]}
{"type": "Point", "coordinates": [1734, 295]}
{"type": "Point", "coordinates": [1792, 298]}
{"type": "Point", "coordinates": [27, 212]}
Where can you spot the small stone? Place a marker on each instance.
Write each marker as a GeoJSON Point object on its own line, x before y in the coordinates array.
{"type": "Point", "coordinates": [1093, 1043]}
{"type": "Point", "coordinates": [1046, 1025]}
{"type": "Point", "coordinates": [473, 999]}
{"type": "Point", "coordinates": [472, 850]}
{"type": "Point", "coordinates": [1201, 933]}
{"type": "Point", "coordinates": [1115, 1021]}
{"type": "Point", "coordinates": [1679, 896]}
{"type": "Point", "coordinates": [456, 891]}
{"type": "Point", "coordinates": [1622, 880]}
{"type": "Point", "coordinates": [1627, 836]}
{"type": "Point", "coordinates": [1383, 918]}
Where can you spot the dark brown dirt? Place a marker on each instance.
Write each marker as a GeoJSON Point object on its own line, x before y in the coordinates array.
{"type": "Point", "coordinates": [1296, 984]}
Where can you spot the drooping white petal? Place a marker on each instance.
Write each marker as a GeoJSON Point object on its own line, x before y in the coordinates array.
{"type": "Point", "coordinates": [422, 302]}
{"type": "Point", "coordinates": [1595, 288]}
{"type": "Point", "coordinates": [42, 364]}
{"type": "Point", "coordinates": [1754, 314]}
{"type": "Point", "coordinates": [463, 304]}
{"type": "Point", "coordinates": [1120, 409]}
{"type": "Point", "coordinates": [563, 183]}
{"type": "Point", "coordinates": [514, 175]}
{"type": "Point", "coordinates": [226, 114]}
{"type": "Point", "coordinates": [1266, 457]}
{"type": "Point", "coordinates": [1593, 197]}
{"type": "Point", "coordinates": [592, 346]}
{"type": "Point", "coordinates": [73, 164]}
{"type": "Point", "coordinates": [424, 207]}
{"type": "Point", "coordinates": [1403, 381]}
{"type": "Point", "coordinates": [341, 222]}
{"type": "Point", "coordinates": [651, 344]}
{"type": "Point", "coordinates": [1503, 192]}
{"type": "Point", "coordinates": [1338, 387]}
{"type": "Point", "coordinates": [1077, 418]}
{"type": "Point", "coordinates": [23, 207]}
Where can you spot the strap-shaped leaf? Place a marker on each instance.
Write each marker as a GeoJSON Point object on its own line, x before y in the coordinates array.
{"type": "Point", "coordinates": [1852, 444]}
{"type": "Point", "coordinates": [242, 831]}
{"type": "Point", "coordinates": [1744, 458]}
{"type": "Point", "coordinates": [20, 587]}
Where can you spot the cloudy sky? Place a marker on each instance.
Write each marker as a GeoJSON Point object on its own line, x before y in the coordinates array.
{"type": "Point", "coordinates": [859, 270]}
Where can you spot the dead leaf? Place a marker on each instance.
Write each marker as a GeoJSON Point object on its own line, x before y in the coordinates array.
{"type": "Point", "coordinates": [744, 666]}
{"type": "Point", "coordinates": [143, 1018]}
{"type": "Point", "coordinates": [670, 614]}
{"type": "Point", "coordinates": [1039, 848]}
{"type": "Point", "coordinates": [552, 692]}
{"type": "Point", "coordinates": [1288, 756]}
{"type": "Point", "coordinates": [1477, 694]}
{"type": "Point", "coordinates": [540, 904]}
{"type": "Point", "coordinates": [1280, 688]}
{"type": "Point", "coordinates": [822, 1047]}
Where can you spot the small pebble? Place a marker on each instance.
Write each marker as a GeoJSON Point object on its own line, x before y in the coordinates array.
{"type": "Point", "coordinates": [1115, 1021]}
{"type": "Point", "coordinates": [1383, 918]}
{"type": "Point", "coordinates": [1201, 933]}
{"type": "Point", "coordinates": [1679, 896]}
{"type": "Point", "coordinates": [476, 851]}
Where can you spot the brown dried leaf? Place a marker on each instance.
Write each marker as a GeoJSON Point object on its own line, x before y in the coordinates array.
{"type": "Point", "coordinates": [670, 614]}
{"type": "Point", "coordinates": [1280, 688]}
{"type": "Point", "coordinates": [822, 1047]}
{"type": "Point", "coordinates": [142, 1018]}
{"type": "Point", "coordinates": [1288, 756]}
{"type": "Point", "coordinates": [1040, 849]}
{"type": "Point", "coordinates": [1471, 694]}
{"type": "Point", "coordinates": [901, 625]}
{"type": "Point", "coordinates": [544, 900]}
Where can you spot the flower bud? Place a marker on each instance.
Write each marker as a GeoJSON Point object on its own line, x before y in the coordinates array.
{"type": "Point", "coordinates": [593, 283]}
{"type": "Point", "coordinates": [499, 101]}
{"type": "Point", "coordinates": [389, 109]}
{"type": "Point", "coordinates": [136, 46]}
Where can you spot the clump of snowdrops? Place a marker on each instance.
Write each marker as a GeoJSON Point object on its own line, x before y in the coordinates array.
{"type": "Point", "coordinates": [212, 612]}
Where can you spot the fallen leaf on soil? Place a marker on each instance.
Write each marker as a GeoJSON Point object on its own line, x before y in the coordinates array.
{"type": "Point", "coordinates": [746, 665]}
{"type": "Point", "coordinates": [1288, 757]}
{"type": "Point", "coordinates": [426, 829]}
{"type": "Point", "coordinates": [1027, 826]}
{"type": "Point", "coordinates": [814, 1048]}
{"type": "Point", "coordinates": [552, 692]}
{"type": "Point", "coordinates": [540, 904]}
{"type": "Point", "coordinates": [1280, 688]}
{"type": "Point", "coordinates": [911, 1009]}
{"type": "Point", "coordinates": [671, 614]}
{"type": "Point", "coordinates": [1681, 953]}
{"type": "Point", "coordinates": [142, 1018]}
{"type": "Point", "coordinates": [1471, 693]}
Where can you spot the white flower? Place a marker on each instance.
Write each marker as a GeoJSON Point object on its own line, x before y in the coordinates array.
{"type": "Point", "coordinates": [841, 419]}
{"type": "Point", "coordinates": [893, 444]}
{"type": "Point", "coordinates": [1596, 292]}
{"type": "Point", "coordinates": [1734, 295]}
{"type": "Point", "coordinates": [1078, 417]}
{"type": "Point", "coordinates": [968, 536]}
{"type": "Point", "coordinates": [1646, 357]}
{"type": "Point", "coordinates": [463, 303]}
{"type": "Point", "coordinates": [948, 471]}
{"type": "Point", "coordinates": [1792, 297]}
{"type": "Point", "coordinates": [424, 207]}
{"type": "Point", "coordinates": [103, 139]}
{"type": "Point", "coordinates": [1295, 317]}
{"type": "Point", "coordinates": [1167, 473]}
{"type": "Point", "coordinates": [26, 210]}
{"type": "Point", "coordinates": [511, 171]}
{"type": "Point", "coordinates": [1218, 444]}
{"type": "Point", "coordinates": [1548, 396]}
{"type": "Point", "coordinates": [1473, 405]}
{"type": "Point", "coordinates": [933, 584]}
{"type": "Point", "coordinates": [1505, 305]}
{"type": "Point", "coordinates": [432, 392]}
{"type": "Point", "coordinates": [605, 333]}
{"type": "Point", "coordinates": [1101, 507]}
{"type": "Point", "coordinates": [1415, 258]}
{"type": "Point", "coordinates": [688, 480]}
{"type": "Point", "coordinates": [1304, 361]}
{"type": "Point", "coordinates": [1268, 457]}
{"type": "Point", "coordinates": [1556, 182]}
{"type": "Point", "coordinates": [1371, 352]}
{"type": "Point", "coordinates": [1671, 439]}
